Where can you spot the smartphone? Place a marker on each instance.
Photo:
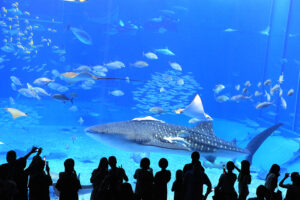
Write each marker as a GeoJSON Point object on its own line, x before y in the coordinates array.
{"type": "Point", "coordinates": [44, 158]}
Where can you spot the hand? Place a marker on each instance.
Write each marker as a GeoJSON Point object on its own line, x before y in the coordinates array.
{"type": "Point", "coordinates": [34, 149]}
{"type": "Point", "coordinates": [286, 175]}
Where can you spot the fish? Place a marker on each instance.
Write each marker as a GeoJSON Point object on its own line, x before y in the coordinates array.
{"type": "Point", "coordinates": [73, 108]}
{"type": "Point", "coordinates": [81, 35]}
{"type": "Point", "coordinates": [218, 88]}
{"type": "Point", "coordinates": [264, 105]}
{"type": "Point", "coordinates": [15, 113]}
{"type": "Point", "coordinates": [280, 92]}
{"type": "Point", "coordinates": [268, 82]}
{"type": "Point", "coordinates": [258, 84]}
{"type": "Point", "coordinates": [62, 97]}
{"type": "Point", "coordinates": [152, 135]}
{"type": "Point", "coordinates": [280, 80]}
{"type": "Point", "coordinates": [115, 65]}
{"type": "Point", "coordinates": [42, 81]}
{"type": "Point", "coordinates": [175, 66]}
{"type": "Point", "coordinates": [162, 89]}
{"type": "Point", "coordinates": [283, 103]}
{"type": "Point", "coordinates": [83, 68]}
{"type": "Point", "coordinates": [58, 87]}
{"type": "Point", "coordinates": [247, 84]}
{"type": "Point", "coordinates": [156, 110]}
{"type": "Point", "coordinates": [240, 97]}
{"type": "Point", "coordinates": [39, 90]}
{"type": "Point", "coordinates": [80, 120]}
{"type": "Point", "coordinates": [268, 96]}
{"type": "Point", "coordinates": [27, 92]}
{"type": "Point", "coordinates": [137, 156]}
{"type": "Point", "coordinates": [15, 80]}
{"type": "Point", "coordinates": [245, 90]}
{"type": "Point", "coordinates": [274, 89]}
{"type": "Point", "coordinates": [100, 68]}
{"type": "Point", "coordinates": [257, 93]}
{"type": "Point", "coordinates": [150, 55]}
{"type": "Point", "coordinates": [237, 87]}
{"type": "Point", "coordinates": [290, 92]}
{"type": "Point", "coordinates": [117, 93]}
{"type": "Point", "coordinates": [165, 51]}
{"type": "Point", "coordinates": [222, 98]}
{"type": "Point", "coordinates": [230, 30]}
{"type": "Point", "coordinates": [11, 101]}
{"type": "Point", "coordinates": [140, 64]}
{"type": "Point", "coordinates": [180, 82]}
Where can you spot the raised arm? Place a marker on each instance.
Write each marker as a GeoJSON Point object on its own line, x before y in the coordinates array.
{"type": "Point", "coordinates": [281, 182]}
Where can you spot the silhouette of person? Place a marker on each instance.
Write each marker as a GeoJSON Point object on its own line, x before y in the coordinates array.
{"type": "Point", "coordinates": [39, 181]}
{"type": "Point", "coordinates": [195, 161]}
{"type": "Point", "coordinates": [114, 180]}
{"type": "Point", "coordinates": [244, 179]}
{"type": "Point", "coordinates": [177, 186]}
{"type": "Point", "coordinates": [271, 181]}
{"type": "Point", "coordinates": [161, 180]}
{"type": "Point", "coordinates": [262, 193]}
{"type": "Point", "coordinates": [225, 188]}
{"type": "Point", "coordinates": [68, 184]}
{"type": "Point", "coordinates": [144, 180]}
{"type": "Point", "coordinates": [14, 170]}
{"type": "Point", "coordinates": [193, 182]}
{"type": "Point", "coordinates": [293, 190]}
{"type": "Point", "coordinates": [97, 179]}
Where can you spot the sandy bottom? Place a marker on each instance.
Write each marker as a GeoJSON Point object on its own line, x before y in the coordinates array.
{"type": "Point", "coordinates": [61, 142]}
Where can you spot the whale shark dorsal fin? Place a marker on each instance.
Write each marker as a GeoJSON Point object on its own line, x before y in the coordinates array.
{"type": "Point", "coordinates": [206, 126]}
{"type": "Point", "coordinates": [147, 118]}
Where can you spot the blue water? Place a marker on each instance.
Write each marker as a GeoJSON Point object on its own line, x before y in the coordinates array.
{"type": "Point", "coordinates": [215, 42]}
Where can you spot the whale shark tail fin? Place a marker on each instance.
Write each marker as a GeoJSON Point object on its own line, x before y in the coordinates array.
{"type": "Point", "coordinates": [256, 142]}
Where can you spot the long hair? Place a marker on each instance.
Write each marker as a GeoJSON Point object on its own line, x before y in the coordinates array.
{"type": "Point", "coordinates": [245, 169]}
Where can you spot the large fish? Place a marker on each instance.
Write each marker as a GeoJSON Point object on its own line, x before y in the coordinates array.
{"type": "Point", "coordinates": [152, 135]}
{"type": "Point", "coordinates": [81, 35]}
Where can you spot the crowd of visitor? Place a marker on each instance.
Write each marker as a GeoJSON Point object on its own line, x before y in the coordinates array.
{"type": "Point", "coordinates": [110, 182]}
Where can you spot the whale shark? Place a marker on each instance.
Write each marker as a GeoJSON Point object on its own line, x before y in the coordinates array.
{"type": "Point", "coordinates": [152, 135]}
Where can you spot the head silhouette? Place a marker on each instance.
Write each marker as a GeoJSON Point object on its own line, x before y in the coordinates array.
{"type": "Point", "coordinates": [195, 157]}
{"type": "Point", "coordinates": [245, 167]}
{"type": "Point", "coordinates": [230, 166]}
{"type": "Point", "coordinates": [103, 164]}
{"type": "Point", "coordinates": [112, 161]}
{"type": "Point", "coordinates": [179, 174]}
{"type": "Point", "coordinates": [145, 163]}
{"type": "Point", "coordinates": [261, 192]}
{"type": "Point", "coordinates": [294, 177]}
{"type": "Point", "coordinates": [69, 165]}
{"type": "Point", "coordinates": [163, 163]}
{"type": "Point", "coordinates": [275, 169]}
{"type": "Point", "coordinates": [11, 156]}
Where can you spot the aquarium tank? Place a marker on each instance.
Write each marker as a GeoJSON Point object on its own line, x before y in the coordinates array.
{"type": "Point", "coordinates": [87, 79]}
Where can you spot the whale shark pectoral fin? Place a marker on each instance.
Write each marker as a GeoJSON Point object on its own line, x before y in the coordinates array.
{"type": "Point", "coordinates": [211, 159]}
{"type": "Point", "coordinates": [169, 145]}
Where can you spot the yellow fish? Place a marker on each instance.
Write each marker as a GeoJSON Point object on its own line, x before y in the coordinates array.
{"type": "Point", "coordinates": [16, 113]}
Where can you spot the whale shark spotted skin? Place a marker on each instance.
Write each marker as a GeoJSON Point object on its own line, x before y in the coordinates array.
{"type": "Point", "coordinates": [148, 135]}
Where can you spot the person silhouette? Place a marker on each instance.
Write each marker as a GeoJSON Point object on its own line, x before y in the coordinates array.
{"type": "Point", "coordinates": [193, 182]}
{"type": "Point", "coordinates": [127, 192]}
{"type": "Point", "coordinates": [14, 170]}
{"type": "Point", "coordinates": [195, 156]}
{"type": "Point", "coordinates": [144, 181]}
{"type": "Point", "coordinates": [68, 184]}
{"type": "Point", "coordinates": [39, 181]}
{"type": "Point", "coordinates": [225, 188]}
{"type": "Point", "coordinates": [97, 179]}
{"type": "Point", "coordinates": [114, 180]}
{"type": "Point", "coordinates": [244, 179]}
{"type": "Point", "coordinates": [271, 181]}
{"type": "Point", "coordinates": [161, 180]}
{"type": "Point", "coordinates": [262, 193]}
{"type": "Point", "coordinates": [177, 186]}
{"type": "Point", "coordinates": [293, 190]}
